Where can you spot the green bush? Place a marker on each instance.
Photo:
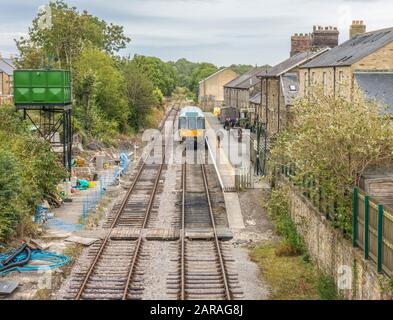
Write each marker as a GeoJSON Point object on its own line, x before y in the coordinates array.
{"type": "Point", "coordinates": [326, 287]}
{"type": "Point", "coordinates": [10, 188]}
{"type": "Point", "coordinates": [29, 172]}
{"type": "Point", "coordinates": [279, 214]}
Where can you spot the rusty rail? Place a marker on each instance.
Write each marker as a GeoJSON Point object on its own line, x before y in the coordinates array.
{"type": "Point", "coordinates": [119, 213]}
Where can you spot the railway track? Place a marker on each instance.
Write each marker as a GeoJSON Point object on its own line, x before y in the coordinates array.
{"type": "Point", "coordinates": [205, 266]}
{"type": "Point", "coordinates": [114, 266]}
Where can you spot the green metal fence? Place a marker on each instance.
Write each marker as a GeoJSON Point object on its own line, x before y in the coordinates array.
{"type": "Point", "coordinates": [373, 230]}
{"type": "Point", "coordinates": [372, 222]}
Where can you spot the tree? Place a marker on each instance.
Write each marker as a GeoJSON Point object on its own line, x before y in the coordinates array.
{"type": "Point", "coordinates": [99, 82]}
{"type": "Point", "coordinates": [184, 70]}
{"type": "Point", "coordinates": [70, 34]}
{"type": "Point", "coordinates": [141, 94]}
{"type": "Point", "coordinates": [160, 73]}
{"type": "Point", "coordinates": [333, 141]}
{"type": "Point", "coordinates": [241, 68]}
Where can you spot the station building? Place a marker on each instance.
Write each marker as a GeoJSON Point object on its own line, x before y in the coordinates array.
{"type": "Point", "coordinates": [211, 89]}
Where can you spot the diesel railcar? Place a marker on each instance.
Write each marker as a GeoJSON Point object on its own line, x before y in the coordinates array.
{"type": "Point", "coordinates": [191, 123]}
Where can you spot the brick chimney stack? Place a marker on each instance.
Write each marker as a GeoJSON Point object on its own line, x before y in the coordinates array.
{"type": "Point", "coordinates": [300, 43]}
{"type": "Point", "coordinates": [323, 37]}
{"type": "Point", "coordinates": [357, 27]}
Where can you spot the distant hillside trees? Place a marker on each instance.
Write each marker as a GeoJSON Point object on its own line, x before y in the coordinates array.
{"type": "Point", "coordinates": [241, 68]}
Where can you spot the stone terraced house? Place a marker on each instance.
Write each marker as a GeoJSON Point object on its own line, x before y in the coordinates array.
{"type": "Point", "coordinates": [362, 62]}
{"type": "Point", "coordinates": [237, 93]}
{"type": "Point", "coordinates": [7, 68]}
{"type": "Point", "coordinates": [279, 87]}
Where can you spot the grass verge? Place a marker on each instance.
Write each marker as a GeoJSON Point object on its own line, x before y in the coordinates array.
{"type": "Point", "coordinates": [285, 265]}
{"type": "Point", "coordinates": [292, 277]}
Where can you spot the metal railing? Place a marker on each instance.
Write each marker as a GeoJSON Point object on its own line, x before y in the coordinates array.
{"type": "Point", "coordinates": [373, 230]}
{"type": "Point", "coordinates": [372, 222]}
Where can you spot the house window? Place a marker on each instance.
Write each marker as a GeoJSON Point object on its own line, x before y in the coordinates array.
{"type": "Point", "coordinates": [341, 76]}
{"type": "Point", "coordinates": [340, 81]}
{"type": "Point", "coordinates": [305, 83]}
{"type": "Point", "coordinates": [312, 78]}
{"type": "Point", "coordinates": [324, 83]}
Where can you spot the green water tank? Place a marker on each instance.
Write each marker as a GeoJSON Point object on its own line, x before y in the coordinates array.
{"type": "Point", "coordinates": [42, 87]}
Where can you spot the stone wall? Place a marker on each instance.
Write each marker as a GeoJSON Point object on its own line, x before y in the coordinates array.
{"type": "Point", "coordinates": [334, 80]}
{"type": "Point", "coordinates": [357, 278]}
{"type": "Point", "coordinates": [381, 59]}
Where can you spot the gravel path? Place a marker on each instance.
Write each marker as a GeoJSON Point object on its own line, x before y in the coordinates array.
{"type": "Point", "coordinates": [257, 229]}
{"type": "Point", "coordinates": [168, 213]}
{"type": "Point", "coordinates": [250, 281]}
{"type": "Point", "coordinates": [156, 273]}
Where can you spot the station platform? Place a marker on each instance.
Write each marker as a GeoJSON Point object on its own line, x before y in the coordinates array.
{"type": "Point", "coordinates": [225, 158]}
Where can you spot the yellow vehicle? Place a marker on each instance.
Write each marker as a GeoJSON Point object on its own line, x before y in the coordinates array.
{"type": "Point", "coordinates": [217, 112]}
{"type": "Point", "coordinates": [191, 123]}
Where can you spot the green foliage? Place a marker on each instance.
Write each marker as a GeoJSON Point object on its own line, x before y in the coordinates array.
{"type": "Point", "coordinates": [278, 211]}
{"type": "Point", "coordinates": [326, 287]}
{"type": "Point", "coordinates": [202, 71]}
{"type": "Point", "coordinates": [290, 277]}
{"type": "Point", "coordinates": [158, 96]}
{"type": "Point", "coordinates": [70, 34]}
{"type": "Point", "coordinates": [241, 68]}
{"type": "Point", "coordinates": [390, 285]}
{"type": "Point", "coordinates": [182, 92]}
{"type": "Point", "coordinates": [184, 70]}
{"type": "Point", "coordinates": [140, 91]}
{"type": "Point", "coordinates": [29, 171]}
{"type": "Point", "coordinates": [99, 83]}
{"type": "Point", "coordinates": [188, 75]}
{"type": "Point", "coordinates": [332, 142]}
{"type": "Point", "coordinates": [10, 187]}
{"type": "Point", "coordinates": [161, 74]}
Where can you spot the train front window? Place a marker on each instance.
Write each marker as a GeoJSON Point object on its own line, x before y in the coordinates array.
{"type": "Point", "coordinates": [192, 123]}
{"type": "Point", "coordinates": [183, 123]}
{"type": "Point", "coordinates": [201, 123]}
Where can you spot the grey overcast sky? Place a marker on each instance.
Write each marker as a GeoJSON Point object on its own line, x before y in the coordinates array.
{"type": "Point", "coordinates": [219, 31]}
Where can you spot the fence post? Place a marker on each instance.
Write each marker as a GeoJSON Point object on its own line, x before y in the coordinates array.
{"type": "Point", "coordinates": [380, 237]}
{"type": "Point", "coordinates": [366, 227]}
{"type": "Point", "coordinates": [355, 217]}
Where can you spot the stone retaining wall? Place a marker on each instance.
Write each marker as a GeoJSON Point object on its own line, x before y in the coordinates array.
{"type": "Point", "coordinates": [355, 277]}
